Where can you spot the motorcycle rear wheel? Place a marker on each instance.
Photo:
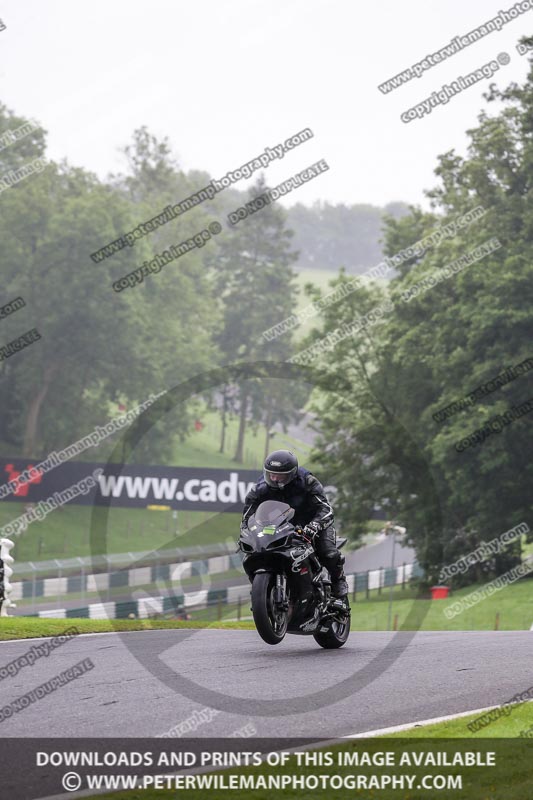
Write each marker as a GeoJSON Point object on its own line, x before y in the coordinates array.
{"type": "Point", "coordinates": [336, 635]}
{"type": "Point", "coordinates": [271, 624]}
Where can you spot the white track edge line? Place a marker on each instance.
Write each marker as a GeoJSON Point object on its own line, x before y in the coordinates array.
{"type": "Point", "coordinates": [423, 722]}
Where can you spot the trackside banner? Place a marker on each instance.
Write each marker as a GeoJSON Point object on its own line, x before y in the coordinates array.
{"type": "Point", "coordinates": [130, 486]}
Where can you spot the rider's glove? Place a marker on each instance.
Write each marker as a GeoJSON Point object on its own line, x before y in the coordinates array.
{"type": "Point", "coordinates": [311, 530]}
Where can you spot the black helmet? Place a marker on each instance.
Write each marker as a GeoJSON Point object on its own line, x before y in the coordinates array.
{"type": "Point", "coordinates": [280, 468]}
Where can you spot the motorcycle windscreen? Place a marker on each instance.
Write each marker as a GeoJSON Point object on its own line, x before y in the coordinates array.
{"type": "Point", "coordinates": [273, 512]}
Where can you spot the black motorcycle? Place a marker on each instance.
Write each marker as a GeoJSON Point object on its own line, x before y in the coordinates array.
{"type": "Point", "coordinates": [291, 591]}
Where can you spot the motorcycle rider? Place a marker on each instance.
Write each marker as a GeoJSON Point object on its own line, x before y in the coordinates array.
{"type": "Point", "coordinates": [285, 481]}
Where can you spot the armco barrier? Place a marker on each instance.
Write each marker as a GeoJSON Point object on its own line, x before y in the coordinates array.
{"type": "Point", "coordinates": [112, 562]}
{"type": "Point", "coordinates": [145, 607]}
{"type": "Point", "coordinates": [137, 576]}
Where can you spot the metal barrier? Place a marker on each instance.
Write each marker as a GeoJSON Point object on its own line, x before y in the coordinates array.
{"type": "Point", "coordinates": [61, 567]}
{"type": "Point", "coordinates": [65, 587]}
{"type": "Point", "coordinates": [215, 603]}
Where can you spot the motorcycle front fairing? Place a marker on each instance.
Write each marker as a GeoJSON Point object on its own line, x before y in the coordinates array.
{"type": "Point", "coordinates": [269, 531]}
{"type": "Point", "coordinates": [270, 545]}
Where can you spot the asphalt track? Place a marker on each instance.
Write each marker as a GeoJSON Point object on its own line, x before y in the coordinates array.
{"type": "Point", "coordinates": [144, 683]}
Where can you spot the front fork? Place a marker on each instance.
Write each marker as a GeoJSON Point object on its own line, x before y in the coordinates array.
{"type": "Point", "coordinates": [281, 599]}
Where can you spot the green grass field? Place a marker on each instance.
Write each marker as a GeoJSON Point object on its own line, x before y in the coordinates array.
{"type": "Point", "coordinates": [320, 278]}
{"type": "Point", "coordinates": [65, 532]}
{"type": "Point", "coordinates": [201, 448]}
{"type": "Point", "coordinates": [513, 604]}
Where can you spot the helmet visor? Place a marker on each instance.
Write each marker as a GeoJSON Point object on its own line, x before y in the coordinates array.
{"type": "Point", "coordinates": [278, 480]}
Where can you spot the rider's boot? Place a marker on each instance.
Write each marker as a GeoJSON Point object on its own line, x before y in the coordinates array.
{"type": "Point", "coordinates": [339, 585]}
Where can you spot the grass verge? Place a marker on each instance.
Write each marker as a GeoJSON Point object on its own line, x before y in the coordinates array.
{"type": "Point", "coordinates": [520, 717]}
{"type": "Point", "coordinates": [29, 627]}
{"type": "Point", "coordinates": [510, 609]}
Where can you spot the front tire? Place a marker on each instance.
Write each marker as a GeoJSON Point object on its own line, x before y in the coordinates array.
{"type": "Point", "coordinates": [271, 624]}
{"type": "Point", "coordinates": [336, 635]}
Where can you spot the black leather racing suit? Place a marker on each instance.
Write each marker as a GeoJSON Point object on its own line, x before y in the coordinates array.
{"type": "Point", "coordinates": [306, 495]}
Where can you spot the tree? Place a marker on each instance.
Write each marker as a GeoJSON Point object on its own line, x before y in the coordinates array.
{"type": "Point", "coordinates": [382, 442]}
{"type": "Point", "coordinates": [48, 223]}
{"type": "Point", "coordinates": [97, 346]}
{"type": "Point", "coordinates": [255, 282]}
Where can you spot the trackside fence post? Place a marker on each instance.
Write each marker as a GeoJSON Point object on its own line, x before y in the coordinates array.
{"type": "Point", "coordinates": [6, 571]}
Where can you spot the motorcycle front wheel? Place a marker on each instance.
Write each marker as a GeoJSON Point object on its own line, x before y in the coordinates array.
{"type": "Point", "coordinates": [271, 624]}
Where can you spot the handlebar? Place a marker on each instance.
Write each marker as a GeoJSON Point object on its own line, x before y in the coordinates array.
{"type": "Point", "coordinates": [300, 532]}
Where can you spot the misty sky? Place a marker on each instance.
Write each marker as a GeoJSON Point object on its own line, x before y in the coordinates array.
{"type": "Point", "coordinates": [223, 79]}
